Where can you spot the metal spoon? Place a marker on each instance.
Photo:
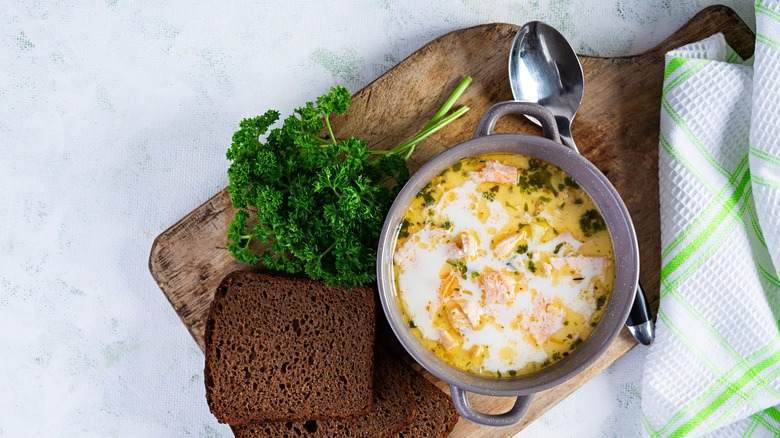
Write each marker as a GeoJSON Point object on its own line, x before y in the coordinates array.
{"type": "Point", "coordinates": [544, 69]}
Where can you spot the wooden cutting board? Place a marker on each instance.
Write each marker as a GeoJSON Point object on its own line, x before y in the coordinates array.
{"type": "Point", "coordinates": [616, 128]}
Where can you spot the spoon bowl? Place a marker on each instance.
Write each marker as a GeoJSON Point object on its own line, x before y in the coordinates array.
{"type": "Point", "coordinates": [544, 69]}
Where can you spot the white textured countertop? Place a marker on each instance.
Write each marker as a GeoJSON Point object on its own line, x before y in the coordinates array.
{"type": "Point", "coordinates": [114, 121]}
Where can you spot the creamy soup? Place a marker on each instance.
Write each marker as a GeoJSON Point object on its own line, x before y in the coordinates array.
{"type": "Point", "coordinates": [503, 265]}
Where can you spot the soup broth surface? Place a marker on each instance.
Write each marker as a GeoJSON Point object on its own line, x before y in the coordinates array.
{"type": "Point", "coordinates": [502, 265]}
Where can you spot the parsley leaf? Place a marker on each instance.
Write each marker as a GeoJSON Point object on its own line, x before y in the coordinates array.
{"type": "Point", "coordinates": [309, 202]}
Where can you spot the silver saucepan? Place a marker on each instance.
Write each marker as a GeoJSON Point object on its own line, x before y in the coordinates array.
{"type": "Point", "coordinates": [619, 225]}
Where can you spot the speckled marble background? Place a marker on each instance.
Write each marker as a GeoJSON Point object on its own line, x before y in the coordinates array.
{"type": "Point", "coordinates": [114, 121]}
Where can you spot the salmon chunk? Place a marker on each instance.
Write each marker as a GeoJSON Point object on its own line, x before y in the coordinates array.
{"type": "Point", "coordinates": [545, 320]}
{"type": "Point", "coordinates": [447, 340]}
{"type": "Point", "coordinates": [498, 288]}
{"type": "Point", "coordinates": [508, 245]}
{"type": "Point", "coordinates": [496, 172]}
{"type": "Point", "coordinates": [467, 248]}
{"type": "Point", "coordinates": [458, 319]}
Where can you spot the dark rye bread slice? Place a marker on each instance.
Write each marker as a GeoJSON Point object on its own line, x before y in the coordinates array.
{"type": "Point", "coordinates": [436, 415]}
{"type": "Point", "coordinates": [392, 411]}
{"type": "Point", "coordinates": [280, 348]}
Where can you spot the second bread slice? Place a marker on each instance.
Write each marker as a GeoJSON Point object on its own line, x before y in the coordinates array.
{"type": "Point", "coordinates": [392, 411]}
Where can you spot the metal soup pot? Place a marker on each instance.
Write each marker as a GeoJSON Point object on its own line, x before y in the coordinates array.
{"type": "Point", "coordinates": [620, 229]}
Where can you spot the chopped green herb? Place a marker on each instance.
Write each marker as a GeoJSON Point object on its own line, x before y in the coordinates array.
{"type": "Point", "coordinates": [429, 200]}
{"type": "Point", "coordinates": [537, 176]}
{"type": "Point", "coordinates": [566, 322]}
{"type": "Point", "coordinates": [531, 266]}
{"type": "Point", "coordinates": [498, 373]}
{"type": "Point", "coordinates": [557, 248]}
{"type": "Point", "coordinates": [460, 266]}
{"type": "Point", "coordinates": [526, 207]}
{"type": "Point", "coordinates": [456, 166]}
{"type": "Point", "coordinates": [490, 196]}
{"type": "Point", "coordinates": [540, 178]}
{"type": "Point", "coordinates": [591, 222]}
{"type": "Point", "coordinates": [578, 201]}
{"type": "Point", "coordinates": [576, 343]}
{"type": "Point", "coordinates": [474, 274]}
{"type": "Point", "coordinates": [411, 324]}
{"type": "Point", "coordinates": [563, 204]}
{"type": "Point", "coordinates": [546, 363]}
{"type": "Point", "coordinates": [512, 373]}
{"type": "Point", "coordinates": [535, 164]}
{"type": "Point", "coordinates": [403, 232]}
{"type": "Point", "coordinates": [561, 187]}
{"type": "Point", "coordinates": [446, 225]}
{"type": "Point", "coordinates": [544, 199]}
{"type": "Point", "coordinates": [522, 249]}
{"type": "Point", "coordinates": [522, 182]}
{"type": "Point", "coordinates": [569, 182]}
{"type": "Point", "coordinates": [556, 356]}
{"type": "Point", "coordinates": [600, 302]}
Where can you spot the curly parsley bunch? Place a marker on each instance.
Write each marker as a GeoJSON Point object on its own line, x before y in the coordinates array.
{"type": "Point", "coordinates": [320, 202]}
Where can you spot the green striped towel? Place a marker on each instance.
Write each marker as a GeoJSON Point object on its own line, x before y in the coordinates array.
{"type": "Point", "coordinates": [714, 368]}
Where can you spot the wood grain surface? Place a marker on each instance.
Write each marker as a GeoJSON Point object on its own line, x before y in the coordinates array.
{"type": "Point", "coordinates": [616, 128]}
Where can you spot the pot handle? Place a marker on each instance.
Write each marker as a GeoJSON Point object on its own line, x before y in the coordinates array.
{"type": "Point", "coordinates": [508, 418]}
{"type": "Point", "coordinates": [540, 113]}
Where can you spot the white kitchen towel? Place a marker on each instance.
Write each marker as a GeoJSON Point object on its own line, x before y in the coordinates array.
{"type": "Point", "coordinates": [714, 368]}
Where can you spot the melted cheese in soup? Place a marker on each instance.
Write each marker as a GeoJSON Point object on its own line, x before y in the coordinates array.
{"type": "Point", "coordinates": [503, 265]}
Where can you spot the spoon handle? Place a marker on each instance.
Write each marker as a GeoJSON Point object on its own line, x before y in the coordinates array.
{"type": "Point", "coordinates": [564, 130]}
{"type": "Point", "coordinates": [639, 322]}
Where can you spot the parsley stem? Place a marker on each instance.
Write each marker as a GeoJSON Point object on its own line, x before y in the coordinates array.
{"type": "Point", "coordinates": [327, 250]}
{"type": "Point", "coordinates": [437, 122]}
{"type": "Point", "coordinates": [330, 130]}
{"type": "Point", "coordinates": [409, 146]}
{"type": "Point", "coordinates": [448, 104]}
